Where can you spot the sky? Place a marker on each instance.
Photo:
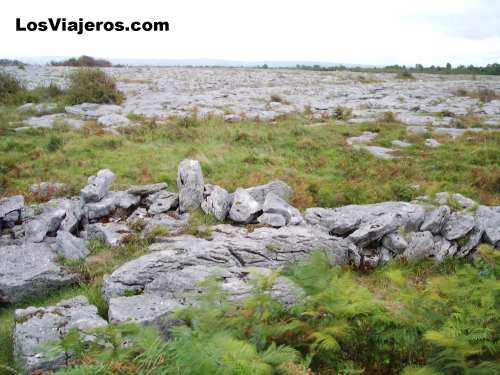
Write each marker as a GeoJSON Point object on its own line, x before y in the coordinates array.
{"type": "Point", "coordinates": [372, 32]}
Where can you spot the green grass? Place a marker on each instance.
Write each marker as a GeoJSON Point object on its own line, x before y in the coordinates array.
{"type": "Point", "coordinates": [315, 161]}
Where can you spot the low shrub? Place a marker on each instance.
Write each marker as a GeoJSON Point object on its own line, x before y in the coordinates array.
{"type": "Point", "coordinates": [405, 75]}
{"type": "Point", "coordinates": [87, 85]}
{"type": "Point", "coordinates": [10, 89]}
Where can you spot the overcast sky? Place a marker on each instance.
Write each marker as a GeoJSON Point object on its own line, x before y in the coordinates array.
{"type": "Point", "coordinates": [346, 31]}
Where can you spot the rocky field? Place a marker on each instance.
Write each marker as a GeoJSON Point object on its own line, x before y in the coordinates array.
{"type": "Point", "coordinates": [252, 221]}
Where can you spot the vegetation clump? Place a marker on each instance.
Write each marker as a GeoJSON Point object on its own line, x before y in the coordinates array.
{"type": "Point", "coordinates": [83, 61]}
{"type": "Point", "coordinates": [89, 85]}
{"type": "Point", "coordinates": [342, 113]}
{"type": "Point", "coordinates": [10, 88]}
{"type": "Point", "coordinates": [405, 75]}
{"type": "Point", "coordinates": [484, 95]}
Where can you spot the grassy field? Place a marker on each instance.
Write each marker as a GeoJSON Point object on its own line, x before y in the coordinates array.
{"type": "Point", "coordinates": [323, 171]}
{"type": "Point", "coordinates": [314, 160]}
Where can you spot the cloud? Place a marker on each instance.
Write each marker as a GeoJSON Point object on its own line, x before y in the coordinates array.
{"type": "Point", "coordinates": [477, 19]}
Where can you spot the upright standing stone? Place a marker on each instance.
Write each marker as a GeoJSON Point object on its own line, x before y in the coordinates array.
{"type": "Point", "coordinates": [190, 185]}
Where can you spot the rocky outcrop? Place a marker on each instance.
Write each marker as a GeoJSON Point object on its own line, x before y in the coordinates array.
{"type": "Point", "coordinates": [39, 327]}
{"type": "Point", "coordinates": [176, 265]}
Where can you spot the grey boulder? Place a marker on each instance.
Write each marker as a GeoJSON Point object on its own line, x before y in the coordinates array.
{"type": "Point", "coordinates": [10, 204]}
{"type": "Point", "coordinates": [458, 226]}
{"type": "Point", "coordinates": [97, 186]}
{"type": "Point", "coordinates": [190, 185]}
{"type": "Point", "coordinates": [274, 204]}
{"type": "Point", "coordinates": [29, 270]}
{"type": "Point", "coordinates": [113, 119]}
{"type": "Point", "coordinates": [245, 209]}
{"type": "Point", "coordinates": [376, 229]}
{"type": "Point", "coordinates": [272, 220]}
{"type": "Point", "coordinates": [216, 201]}
{"type": "Point", "coordinates": [435, 220]}
{"type": "Point", "coordinates": [489, 219]}
{"type": "Point", "coordinates": [48, 222]}
{"type": "Point", "coordinates": [163, 201]}
{"type": "Point", "coordinates": [280, 188]}
{"type": "Point", "coordinates": [111, 233]}
{"type": "Point", "coordinates": [70, 247]}
{"type": "Point", "coordinates": [420, 245]}
{"type": "Point", "coordinates": [395, 242]}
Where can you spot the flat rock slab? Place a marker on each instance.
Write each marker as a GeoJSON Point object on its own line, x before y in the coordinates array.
{"type": "Point", "coordinates": [38, 327]}
{"type": "Point", "coordinates": [29, 270]}
{"type": "Point", "coordinates": [90, 111]}
{"type": "Point", "coordinates": [176, 266]}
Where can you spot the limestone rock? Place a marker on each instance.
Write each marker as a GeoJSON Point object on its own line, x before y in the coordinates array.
{"type": "Point", "coordinates": [92, 111]}
{"type": "Point", "coordinates": [420, 245]}
{"type": "Point", "coordinates": [10, 204]}
{"type": "Point", "coordinates": [376, 229]}
{"type": "Point", "coordinates": [111, 233]}
{"type": "Point", "coordinates": [97, 210]}
{"type": "Point", "coordinates": [443, 248]}
{"type": "Point", "coordinates": [98, 186]}
{"type": "Point", "coordinates": [395, 242]}
{"type": "Point", "coordinates": [143, 190]}
{"type": "Point", "coordinates": [273, 220]}
{"type": "Point", "coordinates": [29, 270]}
{"type": "Point", "coordinates": [216, 202]}
{"type": "Point", "coordinates": [113, 120]}
{"type": "Point", "coordinates": [432, 143]}
{"type": "Point", "coordinates": [37, 327]}
{"type": "Point", "coordinates": [48, 222]}
{"type": "Point", "coordinates": [190, 185]}
{"type": "Point", "coordinates": [245, 209]}
{"type": "Point", "coordinates": [280, 188]}
{"type": "Point", "coordinates": [457, 226]}
{"type": "Point", "coordinates": [70, 247]}
{"type": "Point", "coordinates": [163, 201]}
{"type": "Point", "coordinates": [489, 219]}
{"type": "Point", "coordinates": [435, 220]}
{"type": "Point", "coordinates": [347, 219]}
{"type": "Point", "coordinates": [274, 204]}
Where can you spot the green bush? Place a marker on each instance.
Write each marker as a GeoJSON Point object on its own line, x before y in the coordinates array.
{"type": "Point", "coordinates": [88, 85]}
{"type": "Point", "coordinates": [10, 89]}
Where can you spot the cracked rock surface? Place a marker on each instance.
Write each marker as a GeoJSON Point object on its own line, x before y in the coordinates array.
{"type": "Point", "coordinates": [37, 327]}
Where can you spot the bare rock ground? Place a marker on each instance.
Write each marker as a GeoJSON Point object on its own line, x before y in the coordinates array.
{"type": "Point", "coordinates": [268, 93]}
